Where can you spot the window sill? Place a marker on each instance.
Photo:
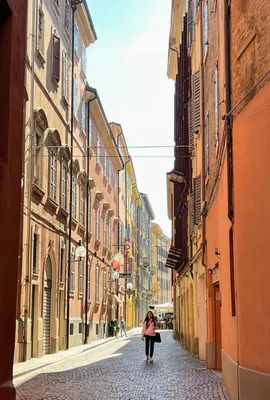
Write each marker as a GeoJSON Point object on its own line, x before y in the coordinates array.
{"type": "Point", "coordinates": [38, 191]}
{"type": "Point", "coordinates": [61, 285]}
{"type": "Point", "coordinates": [51, 204]}
{"type": "Point", "coordinates": [83, 74]}
{"type": "Point", "coordinates": [80, 296]}
{"type": "Point", "coordinates": [76, 120]}
{"type": "Point", "coordinates": [206, 179]}
{"type": "Point", "coordinates": [71, 293]}
{"type": "Point", "coordinates": [67, 35]}
{"type": "Point", "coordinates": [105, 180]}
{"type": "Point", "coordinates": [104, 251]}
{"type": "Point", "coordinates": [74, 222]}
{"type": "Point", "coordinates": [63, 212]}
{"type": "Point", "coordinates": [89, 236]}
{"type": "Point", "coordinates": [56, 11]}
{"type": "Point", "coordinates": [77, 57]}
{"type": "Point", "coordinates": [81, 228]}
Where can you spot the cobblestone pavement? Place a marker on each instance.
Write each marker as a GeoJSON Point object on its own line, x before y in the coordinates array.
{"type": "Point", "coordinates": [117, 371]}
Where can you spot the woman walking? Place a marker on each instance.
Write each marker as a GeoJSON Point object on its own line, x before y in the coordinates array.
{"type": "Point", "coordinates": [149, 333]}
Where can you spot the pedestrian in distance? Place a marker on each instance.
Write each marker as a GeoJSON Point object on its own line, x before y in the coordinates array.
{"type": "Point", "coordinates": [122, 326]}
{"type": "Point", "coordinates": [149, 333]}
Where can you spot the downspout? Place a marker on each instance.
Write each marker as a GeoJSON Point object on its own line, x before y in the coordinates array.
{"type": "Point", "coordinates": [228, 119]}
{"type": "Point", "coordinates": [28, 277]}
{"type": "Point", "coordinates": [86, 331]}
{"type": "Point", "coordinates": [203, 136]}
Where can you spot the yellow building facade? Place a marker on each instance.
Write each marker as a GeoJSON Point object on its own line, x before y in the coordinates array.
{"type": "Point", "coordinates": [190, 285]}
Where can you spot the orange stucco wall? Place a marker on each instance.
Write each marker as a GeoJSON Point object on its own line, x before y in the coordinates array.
{"type": "Point", "coordinates": [251, 134]}
{"type": "Point", "coordinates": [217, 235]}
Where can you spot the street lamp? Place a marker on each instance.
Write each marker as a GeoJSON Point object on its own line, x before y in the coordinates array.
{"type": "Point", "coordinates": [129, 289]}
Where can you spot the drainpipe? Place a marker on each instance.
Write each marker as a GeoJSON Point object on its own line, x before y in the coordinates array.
{"type": "Point", "coordinates": [203, 136]}
{"type": "Point", "coordinates": [74, 4]}
{"type": "Point", "coordinates": [228, 120]}
{"type": "Point", "coordinates": [28, 277]}
{"type": "Point", "coordinates": [86, 331]}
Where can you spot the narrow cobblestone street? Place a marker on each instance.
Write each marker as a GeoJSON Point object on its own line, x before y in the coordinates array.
{"type": "Point", "coordinates": [117, 370]}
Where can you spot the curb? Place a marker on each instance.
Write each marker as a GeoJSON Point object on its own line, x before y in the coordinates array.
{"type": "Point", "coordinates": [40, 367]}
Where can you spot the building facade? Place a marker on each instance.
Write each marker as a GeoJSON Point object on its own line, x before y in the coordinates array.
{"type": "Point", "coordinates": [161, 275]}
{"type": "Point", "coordinates": [223, 78]}
{"type": "Point", "coordinates": [145, 216]}
{"type": "Point", "coordinates": [42, 304]}
{"type": "Point", "coordinates": [13, 16]}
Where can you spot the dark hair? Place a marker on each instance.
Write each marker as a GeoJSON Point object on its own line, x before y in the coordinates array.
{"type": "Point", "coordinates": [153, 318]}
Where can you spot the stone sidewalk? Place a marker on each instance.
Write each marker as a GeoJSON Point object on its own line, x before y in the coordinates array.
{"type": "Point", "coordinates": [37, 363]}
{"type": "Point", "coordinates": [117, 371]}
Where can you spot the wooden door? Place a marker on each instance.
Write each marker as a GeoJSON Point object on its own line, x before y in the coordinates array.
{"type": "Point", "coordinates": [217, 325]}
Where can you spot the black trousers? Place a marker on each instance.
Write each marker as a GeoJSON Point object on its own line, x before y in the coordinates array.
{"type": "Point", "coordinates": [149, 342]}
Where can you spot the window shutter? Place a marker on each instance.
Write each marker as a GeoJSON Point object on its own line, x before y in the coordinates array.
{"type": "Point", "coordinates": [192, 216]}
{"type": "Point", "coordinates": [191, 124]}
{"type": "Point", "coordinates": [190, 22]}
{"type": "Point", "coordinates": [196, 94]}
{"type": "Point", "coordinates": [56, 58]}
{"type": "Point", "coordinates": [65, 76]}
{"type": "Point", "coordinates": [198, 202]}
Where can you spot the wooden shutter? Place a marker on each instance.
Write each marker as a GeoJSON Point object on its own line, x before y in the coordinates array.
{"type": "Point", "coordinates": [192, 225]}
{"type": "Point", "coordinates": [197, 199]}
{"type": "Point", "coordinates": [196, 94]}
{"type": "Point", "coordinates": [190, 22]}
{"type": "Point", "coordinates": [56, 58]}
{"type": "Point", "coordinates": [191, 125]}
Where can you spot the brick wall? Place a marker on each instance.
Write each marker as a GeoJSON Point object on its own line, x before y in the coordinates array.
{"type": "Point", "coordinates": [250, 41]}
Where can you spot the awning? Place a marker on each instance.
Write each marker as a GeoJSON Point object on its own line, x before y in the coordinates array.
{"type": "Point", "coordinates": [117, 299]}
{"type": "Point", "coordinates": [173, 258]}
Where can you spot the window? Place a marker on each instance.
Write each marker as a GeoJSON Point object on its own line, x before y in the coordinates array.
{"type": "Point", "coordinates": [80, 327]}
{"type": "Point", "coordinates": [53, 174]}
{"type": "Point", "coordinates": [89, 210]}
{"type": "Point", "coordinates": [62, 264]}
{"type": "Point", "coordinates": [81, 273]}
{"type": "Point", "coordinates": [56, 58]}
{"type": "Point", "coordinates": [205, 27]}
{"type": "Point", "coordinates": [71, 329]}
{"type": "Point", "coordinates": [104, 287]}
{"type": "Point", "coordinates": [109, 233]}
{"type": "Point", "coordinates": [64, 173]}
{"type": "Point", "coordinates": [38, 157]}
{"type": "Point", "coordinates": [40, 34]}
{"type": "Point", "coordinates": [65, 83]}
{"type": "Point", "coordinates": [98, 149]}
{"type": "Point", "coordinates": [97, 283]}
{"type": "Point", "coordinates": [35, 253]}
{"type": "Point", "coordinates": [90, 132]}
{"type": "Point", "coordinates": [105, 242]}
{"type": "Point", "coordinates": [82, 205]}
{"type": "Point", "coordinates": [206, 144]}
{"type": "Point", "coordinates": [110, 172]}
{"type": "Point", "coordinates": [105, 163]}
{"type": "Point", "coordinates": [83, 121]}
{"type": "Point", "coordinates": [72, 272]}
{"type": "Point", "coordinates": [74, 195]}
{"type": "Point", "coordinates": [75, 98]}
{"type": "Point", "coordinates": [67, 17]}
{"type": "Point", "coordinates": [76, 38]}
{"type": "Point", "coordinates": [216, 106]}
{"type": "Point", "coordinates": [98, 221]}
{"type": "Point", "coordinates": [84, 60]}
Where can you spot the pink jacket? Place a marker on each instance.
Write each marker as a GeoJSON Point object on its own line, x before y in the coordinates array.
{"type": "Point", "coordinates": [150, 330]}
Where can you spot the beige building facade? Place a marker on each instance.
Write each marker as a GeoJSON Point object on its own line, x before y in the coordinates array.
{"type": "Point", "coordinates": [41, 300]}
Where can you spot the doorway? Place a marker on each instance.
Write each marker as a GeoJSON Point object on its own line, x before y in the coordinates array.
{"type": "Point", "coordinates": [217, 316]}
{"type": "Point", "coordinates": [33, 320]}
{"type": "Point", "coordinates": [47, 297]}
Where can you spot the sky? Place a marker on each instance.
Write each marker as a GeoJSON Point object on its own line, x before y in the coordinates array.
{"type": "Point", "coordinates": [128, 67]}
